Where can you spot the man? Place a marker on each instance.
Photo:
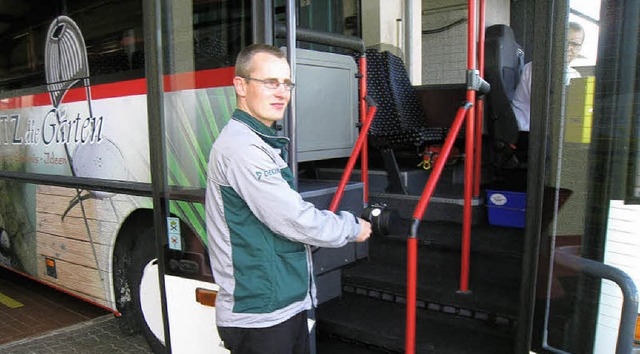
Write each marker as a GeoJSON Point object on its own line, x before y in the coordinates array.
{"type": "Point", "coordinates": [521, 101]}
{"type": "Point", "coordinates": [259, 229]}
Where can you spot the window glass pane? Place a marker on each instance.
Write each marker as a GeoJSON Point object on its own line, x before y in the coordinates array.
{"type": "Point", "coordinates": [112, 33]}
{"type": "Point", "coordinates": [592, 157]}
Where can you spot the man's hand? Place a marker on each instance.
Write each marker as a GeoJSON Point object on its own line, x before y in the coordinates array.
{"type": "Point", "coordinates": [365, 230]}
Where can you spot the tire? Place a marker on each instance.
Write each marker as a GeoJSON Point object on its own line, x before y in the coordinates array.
{"type": "Point", "coordinates": [137, 288]}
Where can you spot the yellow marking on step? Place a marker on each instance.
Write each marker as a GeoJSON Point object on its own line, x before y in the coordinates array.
{"type": "Point", "coordinates": [9, 302]}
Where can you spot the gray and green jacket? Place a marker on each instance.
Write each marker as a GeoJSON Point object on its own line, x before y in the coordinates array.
{"type": "Point", "coordinates": [259, 228]}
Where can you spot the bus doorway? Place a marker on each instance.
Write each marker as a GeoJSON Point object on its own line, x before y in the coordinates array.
{"type": "Point", "coordinates": [590, 170]}
{"type": "Point", "coordinates": [108, 111]}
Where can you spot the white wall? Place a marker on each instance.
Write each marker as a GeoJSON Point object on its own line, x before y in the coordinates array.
{"type": "Point", "coordinates": [621, 250]}
{"type": "Point", "coordinates": [383, 27]}
{"type": "Point", "coordinates": [444, 54]}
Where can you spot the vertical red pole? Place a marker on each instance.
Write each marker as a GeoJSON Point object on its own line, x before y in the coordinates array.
{"type": "Point", "coordinates": [364, 154]}
{"type": "Point", "coordinates": [412, 289]}
{"type": "Point", "coordinates": [469, 147]}
{"type": "Point", "coordinates": [480, 102]}
{"type": "Point", "coordinates": [412, 241]}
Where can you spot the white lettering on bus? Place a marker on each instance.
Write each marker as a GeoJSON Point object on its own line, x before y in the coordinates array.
{"type": "Point", "coordinates": [5, 124]}
{"type": "Point", "coordinates": [16, 118]}
{"type": "Point", "coordinates": [83, 130]}
{"type": "Point", "coordinates": [32, 135]}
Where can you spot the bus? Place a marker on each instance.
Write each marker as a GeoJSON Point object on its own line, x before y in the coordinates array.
{"type": "Point", "coordinates": [488, 238]}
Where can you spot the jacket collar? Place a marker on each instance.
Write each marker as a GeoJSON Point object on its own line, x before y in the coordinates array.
{"type": "Point", "coordinates": [268, 134]}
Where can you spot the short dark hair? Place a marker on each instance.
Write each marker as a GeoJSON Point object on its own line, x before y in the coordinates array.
{"type": "Point", "coordinates": [575, 26]}
{"type": "Point", "coordinates": [243, 62]}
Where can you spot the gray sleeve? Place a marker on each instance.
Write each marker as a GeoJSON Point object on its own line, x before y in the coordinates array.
{"type": "Point", "coordinates": [255, 175]}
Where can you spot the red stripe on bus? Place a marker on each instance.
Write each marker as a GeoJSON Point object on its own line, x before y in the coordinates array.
{"type": "Point", "coordinates": [176, 82]}
{"type": "Point", "coordinates": [199, 79]}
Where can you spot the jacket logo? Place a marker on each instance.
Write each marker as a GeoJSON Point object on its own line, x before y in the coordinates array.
{"type": "Point", "coordinates": [266, 173]}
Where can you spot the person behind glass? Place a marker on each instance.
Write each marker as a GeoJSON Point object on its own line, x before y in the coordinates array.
{"type": "Point", "coordinates": [259, 228]}
{"type": "Point", "coordinates": [521, 101]}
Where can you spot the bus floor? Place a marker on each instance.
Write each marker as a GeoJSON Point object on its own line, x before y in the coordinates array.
{"type": "Point", "coordinates": [29, 308]}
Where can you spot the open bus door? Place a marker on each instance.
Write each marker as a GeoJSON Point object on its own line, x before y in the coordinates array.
{"type": "Point", "coordinates": [188, 54]}
{"type": "Point", "coordinates": [187, 109]}
{"type": "Point", "coordinates": [332, 275]}
{"type": "Point", "coordinates": [586, 297]}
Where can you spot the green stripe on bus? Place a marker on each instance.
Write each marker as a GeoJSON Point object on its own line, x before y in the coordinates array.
{"type": "Point", "coordinates": [9, 302]}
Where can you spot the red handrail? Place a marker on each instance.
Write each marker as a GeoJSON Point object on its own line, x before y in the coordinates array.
{"type": "Point", "coordinates": [360, 148]}
{"type": "Point", "coordinates": [479, 102]}
{"type": "Point", "coordinates": [364, 158]}
{"type": "Point", "coordinates": [469, 153]}
{"type": "Point", "coordinates": [472, 176]}
{"type": "Point", "coordinates": [412, 241]}
{"type": "Point", "coordinates": [362, 138]}
{"type": "Point", "coordinates": [430, 187]}
{"type": "Point", "coordinates": [412, 289]}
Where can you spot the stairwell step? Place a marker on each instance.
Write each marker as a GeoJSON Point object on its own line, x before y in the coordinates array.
{"type": "Point", "coordinates": [385, 282]}
{"type": "Point", "coordinates": [380, 324]}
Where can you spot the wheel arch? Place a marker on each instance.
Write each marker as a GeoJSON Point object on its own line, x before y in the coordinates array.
{"type": "Point", "coordinates": [133, 230]}
{"type": "Point", "coordinates": [125, 241]}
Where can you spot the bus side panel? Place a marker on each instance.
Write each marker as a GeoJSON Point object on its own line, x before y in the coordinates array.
{"type": "Point", "coordinates": [81, 243]}
{"type": "Point", "coordinates": [17, 226]}
{"type": "Point", "coordinates": [193, 119]}
{"type": "Point", "coordinates": [65, 236]}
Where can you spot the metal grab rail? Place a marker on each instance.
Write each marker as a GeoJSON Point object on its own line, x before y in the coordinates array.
{"type": "Point", "coordinates": [626, 331]}
{"type": "Point", "coordinates": [479, 101]}
{"type": "Point", "coordinates": [364, 98]}
{"type": "Point", "coordinates": [412, 241]}
{"type": "Point", "coordinates": [357, 149]}
{"type": "Point", "coordinates": [366, 116]}
{"type": "Point", "coordinates": [472, 152]}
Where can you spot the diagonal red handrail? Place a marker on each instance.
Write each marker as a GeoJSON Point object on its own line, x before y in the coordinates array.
{"type": "Point", "coordinates": [360, 148]}
{"type": "Point", "coordinates": [467, 111]}
{"type": "Point", "coordinates": [412, 241]}
{"type": "Point", "coordinates": [362, 138]}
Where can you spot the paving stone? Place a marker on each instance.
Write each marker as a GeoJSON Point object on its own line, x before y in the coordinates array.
{"type": "Point", "coordinates": [98, 336]}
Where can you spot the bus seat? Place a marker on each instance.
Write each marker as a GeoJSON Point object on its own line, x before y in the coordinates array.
{"type": "Point", "coordinates": [504, 60]}
{"type": "Point", "coordinates": [400, 121]}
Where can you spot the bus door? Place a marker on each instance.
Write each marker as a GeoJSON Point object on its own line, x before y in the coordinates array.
{"type": "Point", "coordinates": [191, 50]}
{"type": "Point", "coordinates": [586, 171]}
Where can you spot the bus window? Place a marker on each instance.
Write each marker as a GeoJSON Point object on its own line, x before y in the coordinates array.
{"type": "Point", "coordinates": [112, 34]}
{"type": "Point", "coordinates": [337, 16]}
{"type": "Point", "coordinates": [220, 30]}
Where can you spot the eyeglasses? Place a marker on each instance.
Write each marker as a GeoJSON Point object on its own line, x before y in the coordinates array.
{"type": "Point", "coordinates": [273, 84]}
{"type": "Point", "coordinates": [575, 44]}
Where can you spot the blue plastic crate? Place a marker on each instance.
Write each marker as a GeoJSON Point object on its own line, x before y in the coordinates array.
{"type": "Point", "coordinates": [506, 208]}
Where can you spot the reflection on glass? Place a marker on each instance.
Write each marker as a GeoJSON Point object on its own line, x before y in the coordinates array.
{"type": "Point", "coordinates": [589, 150]}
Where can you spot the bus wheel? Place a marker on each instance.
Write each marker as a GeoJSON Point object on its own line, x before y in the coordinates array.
{"type": "Point", "coordinates": [139, 290]}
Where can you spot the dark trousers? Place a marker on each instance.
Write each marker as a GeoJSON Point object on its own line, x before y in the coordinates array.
{"type": "Point", "coordinates": [288, 337]}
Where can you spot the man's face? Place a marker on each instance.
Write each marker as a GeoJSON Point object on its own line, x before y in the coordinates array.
{"type": "Point", "coordinates": [574, 45]}
{"type": "Point", "coordinates": [265, 104]}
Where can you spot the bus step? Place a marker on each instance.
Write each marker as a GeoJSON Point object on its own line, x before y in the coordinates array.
{"type": "Point", "coordinates": [381, 324]}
